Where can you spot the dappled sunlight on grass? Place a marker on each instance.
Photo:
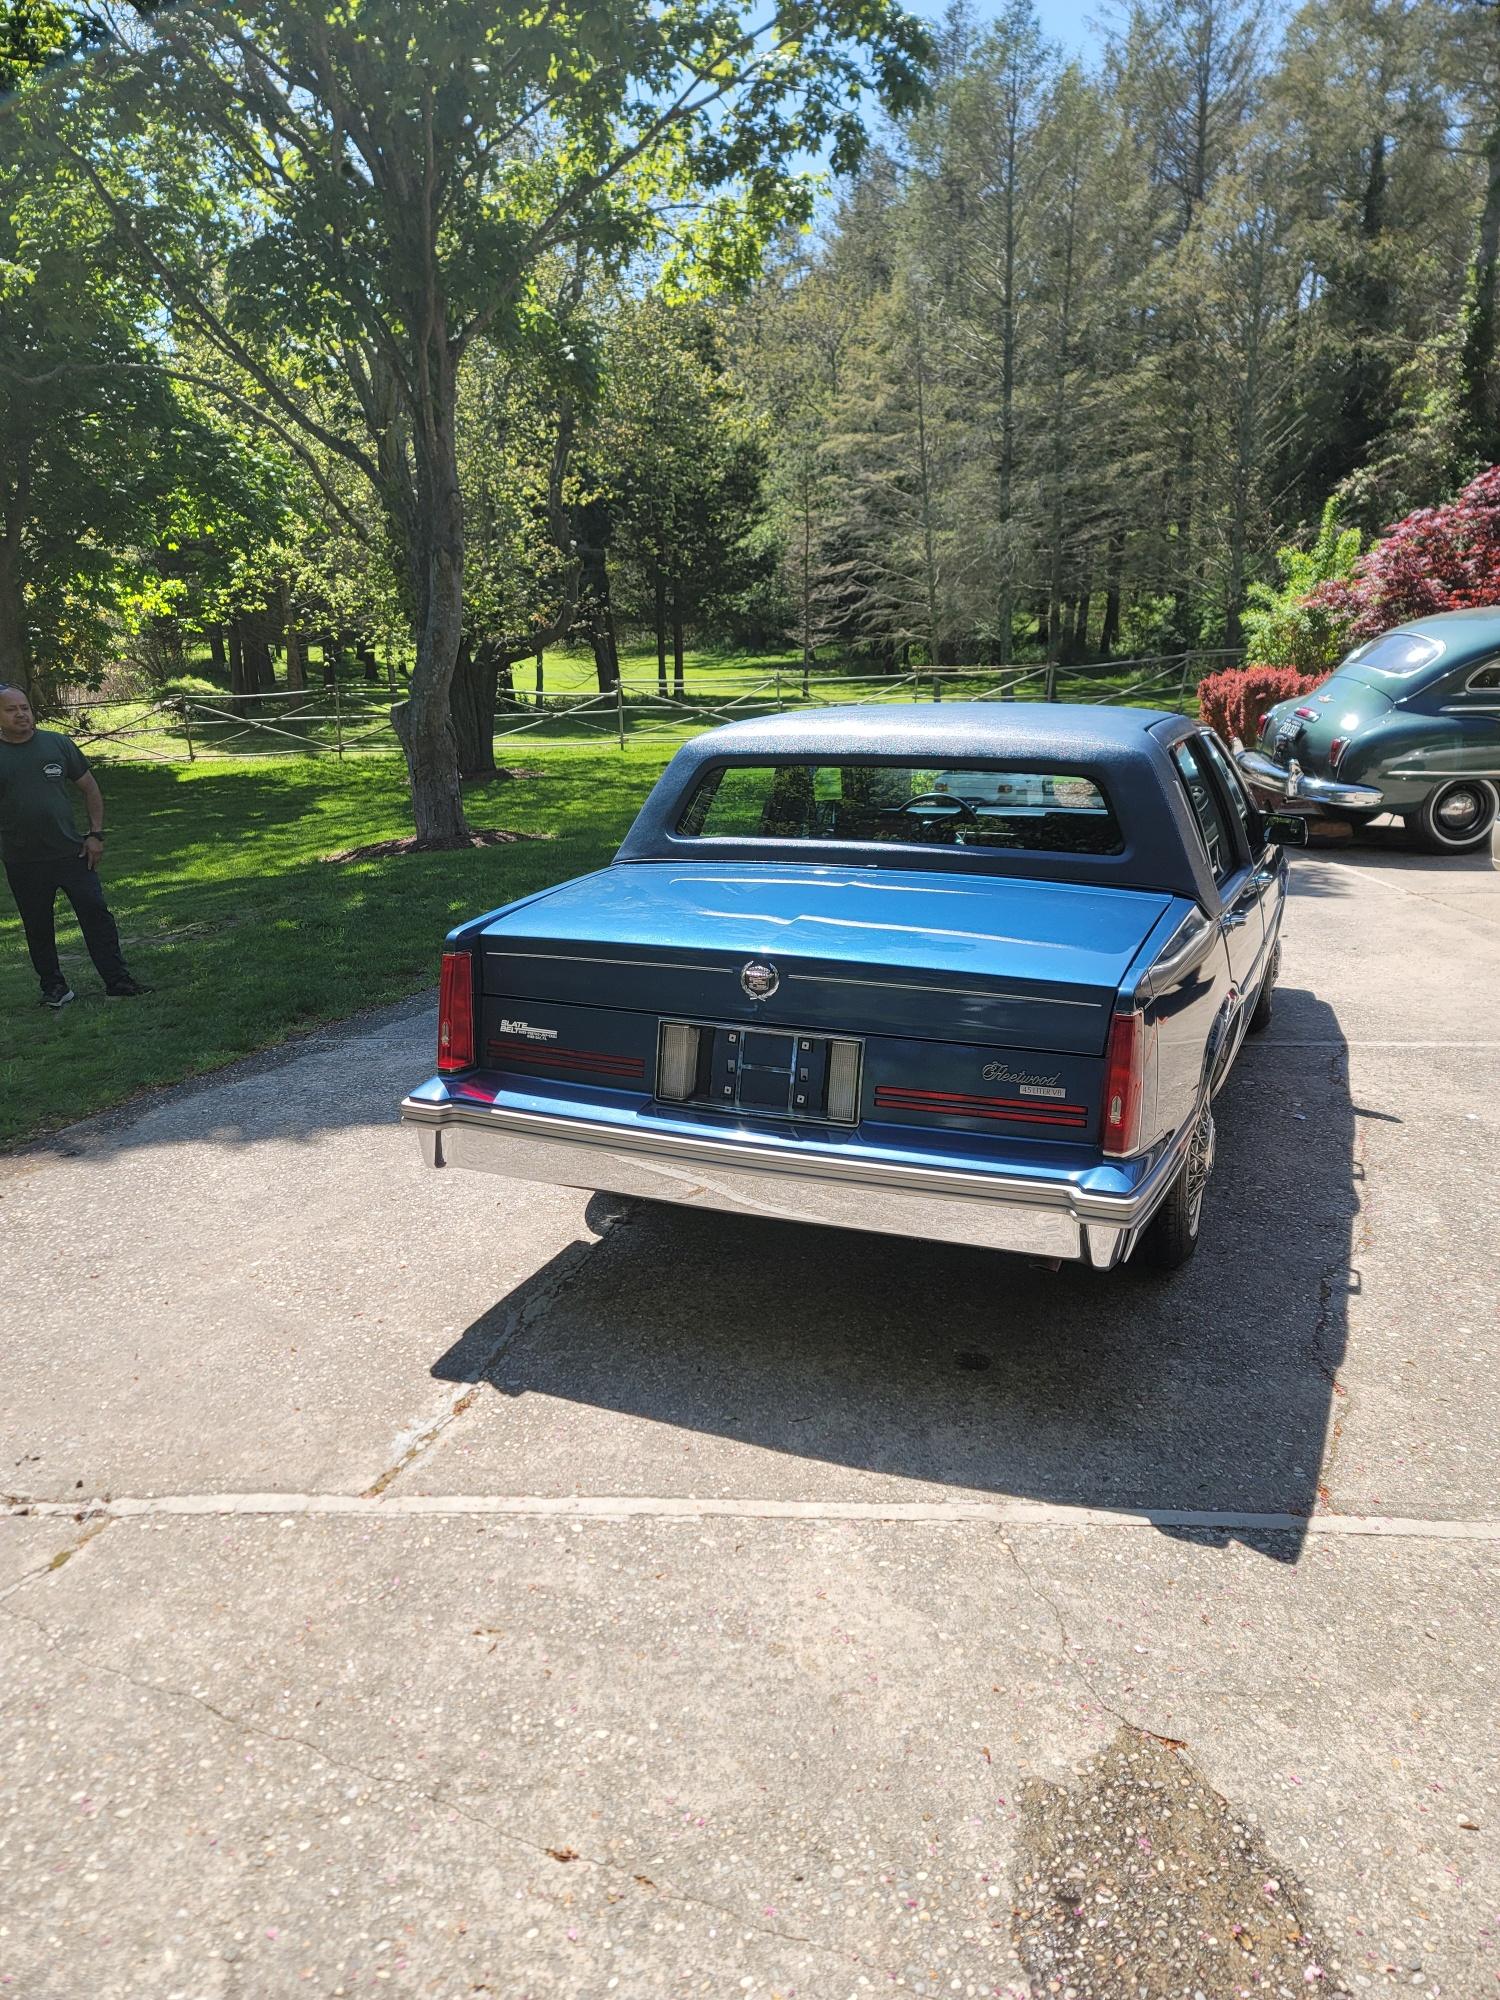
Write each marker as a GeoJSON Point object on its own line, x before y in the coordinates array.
{"type": "Point", "coordinates": [227, 908]}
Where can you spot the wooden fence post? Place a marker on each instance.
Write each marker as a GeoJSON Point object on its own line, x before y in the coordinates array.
{"type": "Point", "coordinates": [338, 722]}
{"type": "Point", "coordinates": [620, 708]}
{"type": "Point", "coordinates": [187, 724]}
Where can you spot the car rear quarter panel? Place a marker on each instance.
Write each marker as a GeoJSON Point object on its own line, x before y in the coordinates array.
{"type": "Point", "coordinates": [1188, 1004]}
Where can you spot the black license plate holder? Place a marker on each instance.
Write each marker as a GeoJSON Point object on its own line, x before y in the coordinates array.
{"type": "Point", "coordinates": [781, 1073]}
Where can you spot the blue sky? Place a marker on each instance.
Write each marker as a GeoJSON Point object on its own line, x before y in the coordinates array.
{"type": "Point", "coordinates": [1067, 22]}
{"type": "Point", "coordinates": [1063, 21]}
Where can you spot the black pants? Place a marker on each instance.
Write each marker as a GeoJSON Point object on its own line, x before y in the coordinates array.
{"type": "Point", "coordinates": [35, 884]}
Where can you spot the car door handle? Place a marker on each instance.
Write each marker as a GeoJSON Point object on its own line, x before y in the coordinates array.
{"type": "Point", "coordinates": [1263, 878]}
{"type": "Point", "coordinates": [1232, 919]}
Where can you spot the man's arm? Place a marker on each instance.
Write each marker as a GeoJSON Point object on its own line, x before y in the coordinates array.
{"type": "Point", "coordinates": [93, 799]}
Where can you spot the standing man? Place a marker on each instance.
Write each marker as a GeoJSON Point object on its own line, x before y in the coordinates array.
{"type": "Point", "coordinates": [43, 852]}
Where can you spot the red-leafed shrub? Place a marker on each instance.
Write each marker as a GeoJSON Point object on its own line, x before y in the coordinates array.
{"type": "Point", "coordinates": [1438, 559]}
{"type": "Point", "coordinates": [1235, 700]}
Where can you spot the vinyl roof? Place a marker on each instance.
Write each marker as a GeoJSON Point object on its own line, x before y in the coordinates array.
{"type": "Point", "coordinates": [1124, 750]}
{"type": "Point", "coordinates": [1066, 732]}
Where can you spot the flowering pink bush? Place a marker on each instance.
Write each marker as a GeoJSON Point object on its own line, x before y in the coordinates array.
{"type": "Point", "coordinates": [1235, 700]}
{"type": "Point", "coordinates": [1437, 559]}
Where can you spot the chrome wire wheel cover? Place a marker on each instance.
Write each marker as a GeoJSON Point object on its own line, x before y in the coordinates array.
{"type": "Point", "coordinates": [1200, 1162]}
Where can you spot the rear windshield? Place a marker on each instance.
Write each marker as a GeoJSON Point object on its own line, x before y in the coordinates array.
{"type": "Point", "coordinates": [1046, 812]}
{"type": "Point", "coordinates": [1394, 656]}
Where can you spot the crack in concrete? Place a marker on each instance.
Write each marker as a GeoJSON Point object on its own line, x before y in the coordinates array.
{"type": "Point", "coordinates": [567, 1266]}
{"type": "Point", "coordinates": [57, 1559]}
{"type": "Point", "coordinates": [1175, 1744]}
{"type": "Point", "coordinates": [1045, 1597]}
{"type": "Point", "coordinates": [437, 1797]}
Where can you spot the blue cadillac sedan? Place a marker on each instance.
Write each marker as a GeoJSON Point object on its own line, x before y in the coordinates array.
{"type": "Point", "coordinates": [965, 972]}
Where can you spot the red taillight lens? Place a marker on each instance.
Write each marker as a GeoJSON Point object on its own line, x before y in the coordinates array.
{"type": "Point", "coordinates": [1336, 750]}
{"type": "Point", "coordinates": [456, 1013]}
{"type": "Point", "coordinates": [1307, 714]}
{"type": "Point", "coordinates": [1124, 1078]}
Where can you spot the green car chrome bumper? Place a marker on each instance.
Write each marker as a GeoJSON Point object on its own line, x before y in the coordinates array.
{"type": "Point", "coordinates": [1292, 783]}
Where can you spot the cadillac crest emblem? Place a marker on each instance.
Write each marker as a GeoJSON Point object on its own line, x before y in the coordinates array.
{"type": "Point", "coordinates": [759, 978]}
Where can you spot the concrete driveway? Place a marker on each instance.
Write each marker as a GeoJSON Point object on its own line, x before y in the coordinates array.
{"type": "Point", "coordinates": [418, 1583]}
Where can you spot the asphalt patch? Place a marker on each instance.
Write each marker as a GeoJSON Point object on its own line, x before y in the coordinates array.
{"type": "Point", "coordinates": [1141, 1883]}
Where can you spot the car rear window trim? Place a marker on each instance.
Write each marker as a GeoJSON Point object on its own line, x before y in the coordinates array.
{"type": "Point", "coordinates": [802, 828]}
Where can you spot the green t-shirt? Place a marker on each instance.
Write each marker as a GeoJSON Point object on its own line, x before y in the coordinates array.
{"type": "Point", "coordinates": [36, 797]}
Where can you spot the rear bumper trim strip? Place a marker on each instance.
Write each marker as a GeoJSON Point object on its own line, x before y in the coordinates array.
{"type": "Point", "coordinates": [1000, 1210]}
{"type": "Point", "coordinates": [1291, 782]}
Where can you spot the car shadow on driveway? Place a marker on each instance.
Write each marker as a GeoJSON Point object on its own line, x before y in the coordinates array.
{"type": "Point", "coordinates": [1387, 848]}
{"type": "Point", "coordinates": [962, 1370]}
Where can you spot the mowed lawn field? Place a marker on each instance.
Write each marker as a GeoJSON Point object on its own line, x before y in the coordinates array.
{"type": "Point", "coordinates": [228, 908]}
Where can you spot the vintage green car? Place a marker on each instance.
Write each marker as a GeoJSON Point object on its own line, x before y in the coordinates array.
{"type": "Point", "coordinates": [1408, 724]}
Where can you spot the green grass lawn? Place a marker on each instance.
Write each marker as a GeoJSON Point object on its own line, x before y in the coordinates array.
{"type": "Point", "coordinates": [226, 908]}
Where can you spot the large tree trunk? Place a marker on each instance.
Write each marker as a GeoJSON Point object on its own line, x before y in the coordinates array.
{"type": "Point", "coordinates": [255, 648]}
{"type": "Point", "coordinates": [1479, 376]}
{"type": "Point", "coordinates": [591, 531]}
{"type": "Point", "coordinates": [601, 618]}
{"type": "Point", "coordinates": [679, 678]}
{"type": "Point", "coordinates": [1081, 618]}
{"type": "Point", "coordinates": [237, 658]}
{"type": "Point", "coordinates": [1109, 632]}
{"type": "Point", "coordinates": [15, 633]}
{"type": "Point", "coordinates": [661, 635]}
{"type": "Point", "coordinates": [15, 629]}
{"type": "Point", "coordinates": [472, 701]}
{"type": "Point", "coordinates": [806, 584]}
{"type": "Point", "coordinates": [296, 659]}
{"type": "Point", "coordinates": [218, 658]}
{"type": "Point", "coordinates": [422, 722]}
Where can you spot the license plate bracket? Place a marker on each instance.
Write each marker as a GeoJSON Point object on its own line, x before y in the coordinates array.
{"type": "Point", "coordinates": [782, 1073]}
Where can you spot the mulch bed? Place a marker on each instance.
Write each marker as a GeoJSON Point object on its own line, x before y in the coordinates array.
{"type": "Point", "coordinates": [381, 850]}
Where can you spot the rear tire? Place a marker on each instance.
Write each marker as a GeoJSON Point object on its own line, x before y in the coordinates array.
{"type": "Point", "coordinates": [1265, 1000]}
{"type": "Point", "coordinates": [1171, 1236]}
{"type": "Point", "coordinates": [1455, 818]}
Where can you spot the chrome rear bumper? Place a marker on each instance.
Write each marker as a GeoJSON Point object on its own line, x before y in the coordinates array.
{"type": "Point", "coordinates": [999, 1211]}
{"type": "Point", "coordinates": [1292, 783]}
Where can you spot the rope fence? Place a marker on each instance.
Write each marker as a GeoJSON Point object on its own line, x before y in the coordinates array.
{"type": "Point", "coordinates": [343, 722]}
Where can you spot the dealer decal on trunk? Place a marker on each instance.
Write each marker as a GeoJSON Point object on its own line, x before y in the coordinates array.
{"type": "Point", "coordinates": [1024, 1082]}
{"type": "Point", "coordinates": [530, 1034]}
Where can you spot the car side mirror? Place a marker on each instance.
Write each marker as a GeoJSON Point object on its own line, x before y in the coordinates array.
{"type": "Point", "coordinates": [1286, 829]}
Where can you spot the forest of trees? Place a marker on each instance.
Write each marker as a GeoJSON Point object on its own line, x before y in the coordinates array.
{"type": "Point", "coordinates": [446, 334]}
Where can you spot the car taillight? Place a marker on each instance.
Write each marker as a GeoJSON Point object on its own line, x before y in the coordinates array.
{"type": "Point", "coordinates": [1336, 750]}
{"type": "Point", "coordinates": [455, 1048]}
{"type": "Point", "coordinates": [1307, 714]}
{"type": "Point", "coordinates": [1124, 1079]}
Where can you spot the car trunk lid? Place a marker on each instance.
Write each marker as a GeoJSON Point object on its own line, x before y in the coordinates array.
{"type": "Point", "coordinates": [994, 962]}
